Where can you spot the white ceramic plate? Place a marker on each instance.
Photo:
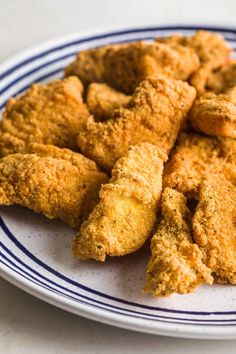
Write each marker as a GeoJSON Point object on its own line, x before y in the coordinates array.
{"type": "Point", "coordinates": [35, 253]}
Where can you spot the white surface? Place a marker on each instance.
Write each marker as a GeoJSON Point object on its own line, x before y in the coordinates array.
{"type": "Point", "coordinates": [26, 324]}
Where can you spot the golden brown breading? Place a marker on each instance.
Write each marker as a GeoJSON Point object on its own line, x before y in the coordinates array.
{"type": "Point", "coordinates": [126, 213]}
{"type": "Point", "coordinates": [156, 113]}
{"type": "Point", "coordinates": [222, 79]}
{"type": "Point", "coordinates": [90, 65]}
{"type": "Point", "coordinates": [125, 66]}
{"type": "Point", "coordinates": [102, 100]}
{"type": "Point", "coordinates": [215, 114]}
{"type": "Point", "coordinates": [47, 113]}
{"type": "Point", "coordinates": [56, 182]}
{"type": "Point", "coordinates": [130, 65]}
{"type": "Point", "coordinates": [176, 263]}
{"type": "Point", "coordinates": [214, 227]}
{"type": "Point", "coordinates": [195, 157]}
{"type": "Point", "coordinates": [211, 49]}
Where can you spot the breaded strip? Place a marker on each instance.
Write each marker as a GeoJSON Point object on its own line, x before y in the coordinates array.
{"type": "Point", "coordinates": [47, 113]}
{"type": "Point", "coordinates": [195, 157]}
{"type": "Point", "coordinates": [102, 100]}
{"type": "Point", "coordinates": [126, 213]}
{"type": "Point", "coordinates": [90, 65]}
{"type": "Point", "coordinates": [156, 113]}
{"type": "Point", "coordinates": [56, 182]}
{"type": "Point", "coordinates": [124, 66]}
{"type": "Point", "coordinates": [211, 48]}
{"type": "Point", "coordinates": [215, 114]}
{"type": "Point", "coordinates": [176, 263]}
{"type": "Point", "coordinates": [214, 227]}
{"type": "Point", "coordinates": [223, 78]}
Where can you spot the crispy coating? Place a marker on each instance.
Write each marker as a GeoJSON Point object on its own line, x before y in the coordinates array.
{"type": "Point", "coordinates": [223, 78]}
{"type": "Point", "coordinates": [47, 113]}
{"type": "Point", "coordinates": [212, 50]}
{"type": "Point", "coordinates": [195, 157]}
{"type": "Point", "coordinates": [156, 113]}
{"type": "Point", "coordinates": [102, 100]}
{"type": "Point", "coordinates": [124, 66]}
{"type": "Point", "coordinates": [56, 182]}
{"type": "Point", "coordinates": [214, 227]}
{"type": "Point", "coordinates": [127, 211]}
{"type": "Point", "coordinates": [215, 114]}
{"type": "Point", "coordinates": [90, 64]}
{"type": "Point", "coordinates": [130, 65]}
{"type": "Point", "coordinates": [176, 263]}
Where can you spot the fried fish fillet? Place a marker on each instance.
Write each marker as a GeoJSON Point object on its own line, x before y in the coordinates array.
{"type": "Point", "coordinates": [124, 66]}
{"type": "Point", "coordinates": [47, 113]}
{"type": "Point", "coordinates": [214, 227]}
{"type": "Point", "coordinates": [102, 100]}
{"type": "Point", "coordinates": [56, 182]}
{"type": "Point", "coordinates": [126, 213]}
{"type": "Point", "coordinates": [156, 113]}
{"type": "Point", "coordinates": [211, 48]}
{"type": "Point", "coordinates": [223, 78]}
{"type": "Point", "coordinates": [176, 263]}
{"type": "Point", "coordinates": [195, 158]}
{"type": "Point", "coordinates": [215, 114]}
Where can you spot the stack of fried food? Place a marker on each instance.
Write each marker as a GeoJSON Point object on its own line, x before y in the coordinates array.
{"type": "Point", "coordinates": [138, 141]}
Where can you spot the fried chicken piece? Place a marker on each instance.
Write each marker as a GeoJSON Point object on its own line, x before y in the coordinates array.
{"type": "Point", "coordinates": [223, 78]}
{"type": "Point", "coordinates": [156, 113]}
{"type": "Point", "coordinates": [214, 227]}
{"type": "Point", "coordinates": [124, 66]}
{"type": "Point", "coordinates": [195, 157]}
{"type": "Point", "coordinates": [211, 48]}
{"type": "Point", "coordinates": [126, 213]}
{"type": "Point", "coordinates": [176, 263]}
{"type": "Point", "coordinates": [90, 65]}
{"type": "Point", "coordinates": [47, 113]}
{"type": "Point", "coordinates": [56, 182]}
{"type": "Point", "coordinates": [215, 114]}
{"type": "Point", "coordinates": [102, 100]}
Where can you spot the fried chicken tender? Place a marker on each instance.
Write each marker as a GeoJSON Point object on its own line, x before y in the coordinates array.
{"type": "Point", "coordinates": [47, 113]}
{"type": "Point", "coordinates": [215, 114]}
{"type": "Point", "coordinates": [176, 263]}
{"type": "Point", "coordinates": [124, 66]}
{"type": "Point", "coordinates": [195, 158]}
{"type": "Point", "coordinates": [90, 64]}
{"type": "Point", "coordinates": [126, 213]}
{"type": "Point", "coordinates": [214, 227]}
{"type": "Point", "coordinates": [56, 182]}
{"type": "Point", "coordinates": [211, 48]}
{"type": "Point", "coordinates": [156, 113]}
{"type": "Point", "coordinates": [223, 78]}
{"type": "Point", "coordinates": [102, 100]}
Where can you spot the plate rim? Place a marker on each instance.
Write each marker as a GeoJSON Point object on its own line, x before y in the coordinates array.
{"type": "Point", "coordinates": [103, 315]}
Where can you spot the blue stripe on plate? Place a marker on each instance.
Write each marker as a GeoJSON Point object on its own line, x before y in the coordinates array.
{"type": "Point", "coordinates": [95, 292]}
{"type": "Point", "coordinates": [37, 282]}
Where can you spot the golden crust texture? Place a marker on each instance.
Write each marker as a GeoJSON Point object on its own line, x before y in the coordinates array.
{"type": "Point", "coordinates": [56, 182]}
{"type": "Point", "coordinates": [215, 114]}
{"type": "Point", "coordinates": [127, 211]}
{"type": "Point", "coordinates": [47, 113]}
{"type": "Point", "coordinates": [102, 100]}
{"type": "Point", "coordinates": [212, 50]}
{"type": "Point", "coordinates": [214, 227]}
{"type": "Point", "coordinates": [195, 158]}
{"type": "Point", "coordinates": [124, 66]}
{"type": "Point", "coordinates": [156, 113]}
{"type": "Point", "coordinates": [176, 263]}
{"type": "Point", "coordinates": [223, 78]}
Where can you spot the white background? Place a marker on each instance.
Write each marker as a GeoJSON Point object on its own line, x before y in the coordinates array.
{"type": "Point", "coordinates": [28, 325]}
